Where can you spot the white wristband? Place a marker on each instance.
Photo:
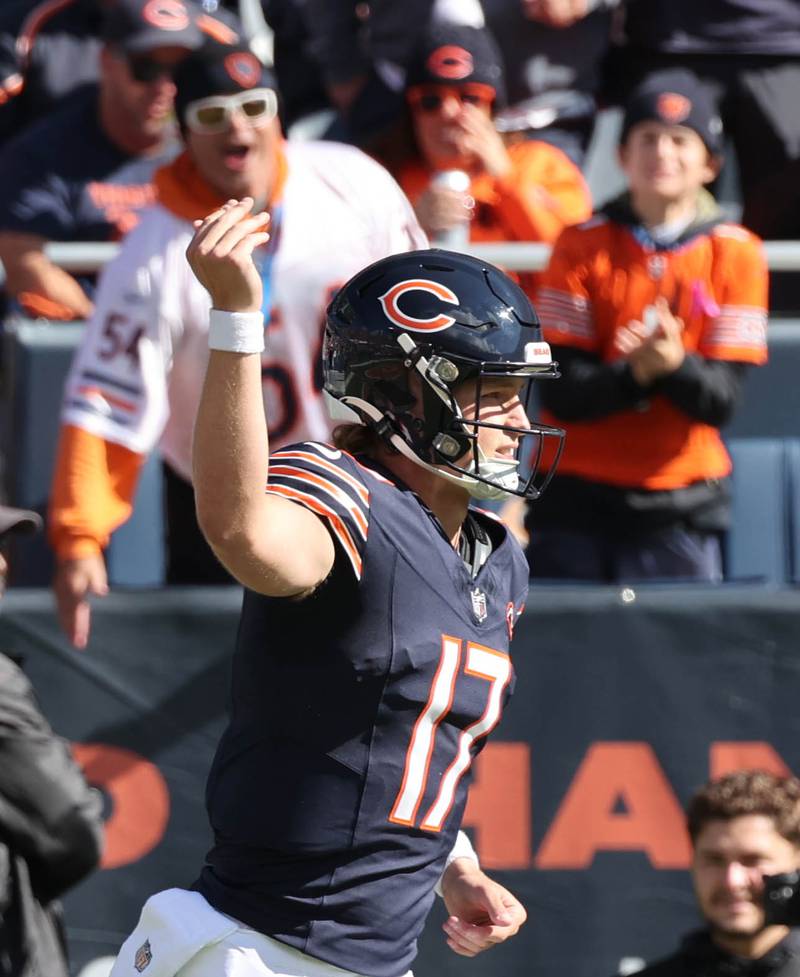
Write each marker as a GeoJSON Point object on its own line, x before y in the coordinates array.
{"type": "Point", "coordinates": [236, 332]}
{"type": "Point", "coordinates": [461, 849]}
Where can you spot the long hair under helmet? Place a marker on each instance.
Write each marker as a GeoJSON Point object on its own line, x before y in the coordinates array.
{"type": "Point", "coordinates": [443, 318]}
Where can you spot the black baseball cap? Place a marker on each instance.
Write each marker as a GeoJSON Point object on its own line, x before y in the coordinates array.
{"type": "Point", "coordinates": [18, 521]}
{"type": "Point", "coordinates": [218, 69]}
{"type": "Point", "coordinates": [675, 98]}
{"type": "Point", "coordinates": [454, 54]}
{"type": "Point", "coordinates": [142, 25]}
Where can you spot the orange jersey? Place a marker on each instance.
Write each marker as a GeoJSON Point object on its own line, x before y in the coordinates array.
{"type": "Point", "coordinates": [600, 277]}
{"type": "Point", "coordinates": [544, 193]}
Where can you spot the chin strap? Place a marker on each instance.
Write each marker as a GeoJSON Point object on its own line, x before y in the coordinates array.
{"type": "Point", "coordinates": [504, 473]}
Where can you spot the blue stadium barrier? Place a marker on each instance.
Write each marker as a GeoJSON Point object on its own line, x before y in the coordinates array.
{"type": "Point", "coordinates": [36, 358]}
{"type": "Point", "coordinates": [757, 545]}
{"type": "Point", "coordinates": [770, 404]}
{"type": "Point", "coordinates": [793, 476]}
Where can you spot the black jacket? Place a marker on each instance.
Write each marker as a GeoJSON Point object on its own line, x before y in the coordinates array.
{"type": "Point", "coordinates": [698, 956]}
{"type": "Point", "coordinates": [50, 832]}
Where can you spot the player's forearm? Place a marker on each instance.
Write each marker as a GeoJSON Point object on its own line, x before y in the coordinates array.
{"type": "Point", "coordinates": [462, 853]}
{"type": "Point", "coordinates": [254, 535]}
{"type": "Point", "coordinates": [231, 449]}
{"type": "Point", "coordinates": [268, 543]}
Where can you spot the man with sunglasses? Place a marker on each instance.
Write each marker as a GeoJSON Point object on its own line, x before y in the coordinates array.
{"type": "Point", "coordinates": [84, 172]}
{"type": "Point", "coordinates": [524, 192]}
{"type": "Point", "coordinates": [136, 380]}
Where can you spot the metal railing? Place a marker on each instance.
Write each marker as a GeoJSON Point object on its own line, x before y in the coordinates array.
{"type": "Point", "coordinates": [512, 255]}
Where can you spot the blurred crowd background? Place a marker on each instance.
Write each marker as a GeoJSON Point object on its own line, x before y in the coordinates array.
{"type": "Point", "coordinates": [504, 122]}
{"type": "Point", "coordinates": [633, 163]}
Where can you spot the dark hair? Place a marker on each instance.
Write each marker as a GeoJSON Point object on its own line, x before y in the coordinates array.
{"type": "Point", "coordinates": [747, 792]}
{"type": "Point", "coordinates": [357, 439]}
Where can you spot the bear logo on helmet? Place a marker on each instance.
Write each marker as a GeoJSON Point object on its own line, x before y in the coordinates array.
{"type": "Point", "coordinates": [390, 303]}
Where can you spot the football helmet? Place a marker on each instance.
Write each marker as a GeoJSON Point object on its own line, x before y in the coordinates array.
{"type": "Point", "coordinates": [442, 318]}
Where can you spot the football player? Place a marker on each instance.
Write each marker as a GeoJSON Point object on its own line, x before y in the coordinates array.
{"type": "Point", "coordinates": [373, 650]}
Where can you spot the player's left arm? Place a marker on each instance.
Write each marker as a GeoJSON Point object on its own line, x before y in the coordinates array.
{"type": "Point", "coordinates": [482, 913]}
{"type": "Point", "coordinates": [271, 544]}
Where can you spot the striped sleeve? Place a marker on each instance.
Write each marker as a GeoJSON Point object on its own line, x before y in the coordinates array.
{"type": "Point", "coordinates": [564, 316]}
{"type": "Point", "coordinates": [738, 330]}
{"type": "Point", "coordinates": [563, 301]}
{"type": "Point", "coordinates": [327, 482]}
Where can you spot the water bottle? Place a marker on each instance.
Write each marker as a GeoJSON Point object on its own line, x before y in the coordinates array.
{"type": "Point", "coordinates": [455, 238]}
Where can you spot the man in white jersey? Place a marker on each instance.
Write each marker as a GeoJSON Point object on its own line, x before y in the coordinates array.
{"type": "Point", "coordinates": [136, 378]}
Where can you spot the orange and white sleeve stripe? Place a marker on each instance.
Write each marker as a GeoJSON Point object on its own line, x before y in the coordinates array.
{"type": "Point", "coordinates": [321, 479]}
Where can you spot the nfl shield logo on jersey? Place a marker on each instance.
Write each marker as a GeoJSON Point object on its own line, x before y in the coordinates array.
{"type": "Point", "coordinates": [143, 956]}
{"type": "Point", "coordinates": [479, 605]}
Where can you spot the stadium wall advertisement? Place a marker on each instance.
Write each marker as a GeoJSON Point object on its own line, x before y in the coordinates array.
{"type": "Point", "coordinates": [625, 702]}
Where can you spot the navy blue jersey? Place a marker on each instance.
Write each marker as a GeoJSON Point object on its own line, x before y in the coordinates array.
{"type": "Point", "coordinates": [338, 788]}
{"type": "Point", "coordinates": [64, 179]}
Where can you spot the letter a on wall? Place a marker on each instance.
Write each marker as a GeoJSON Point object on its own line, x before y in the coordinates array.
{"type": "Point", "coordinates": [614, 775]}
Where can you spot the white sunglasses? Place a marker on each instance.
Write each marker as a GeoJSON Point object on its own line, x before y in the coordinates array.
{"type": "Point", "coordinates": [258, 106]}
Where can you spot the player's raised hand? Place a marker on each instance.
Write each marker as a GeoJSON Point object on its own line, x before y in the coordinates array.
{"type": "Point", "coordinates": [482, 912]}
{"type": "Point", "coordinates": [221, 255]}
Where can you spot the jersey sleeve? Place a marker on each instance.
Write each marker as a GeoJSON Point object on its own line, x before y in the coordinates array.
{"type": "Point", "coordinates": [117, 385]}
{"type": "Point", "coordinates": [544, 193]}
{"type": "Point", "coordinates": [328, 483]}
{"type": "Point", "coordinates": [94, 483]}
{"type": "Point", "coordinates": [564, 299]}
{"type": "Point", "coordinates": [738, 330]}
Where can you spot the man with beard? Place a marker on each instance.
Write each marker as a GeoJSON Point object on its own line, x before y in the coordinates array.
{"type": "Point", "coordinates": [743, 826]}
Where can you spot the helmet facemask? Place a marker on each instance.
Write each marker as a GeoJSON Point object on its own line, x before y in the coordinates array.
{"type": "Point", "coordinates": [424, 422]}
{"type": "Point", "coordinates": [403, 336]}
